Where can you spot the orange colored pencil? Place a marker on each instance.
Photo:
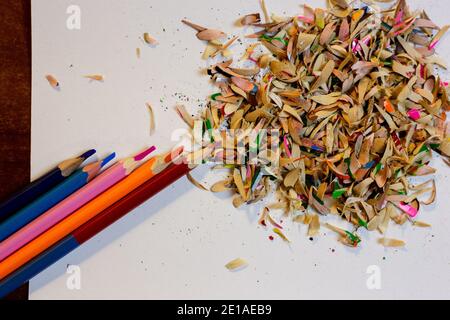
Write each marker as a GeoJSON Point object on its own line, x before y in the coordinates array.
{"type": "Point", "coordinates": [87, 212]}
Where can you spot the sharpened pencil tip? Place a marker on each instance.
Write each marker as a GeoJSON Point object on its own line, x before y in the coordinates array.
{"type": "Point", "coordinates": [143, 154]}
{"type": "Point", "coordinates": [87, 154]}
{"type": "Point", "coordinates": [108, 159]}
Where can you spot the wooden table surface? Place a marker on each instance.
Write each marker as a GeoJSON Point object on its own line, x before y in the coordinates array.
{"type": "Point", "coordinates": [15, 101]}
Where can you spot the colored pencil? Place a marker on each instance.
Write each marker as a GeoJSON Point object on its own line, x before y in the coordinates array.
{"type": "Point", "coordinates": [92, 227]}
{"type": "Point", "coordinates": [141, 175]}
{"type": "Point", "coordinates": [76, 200]}
{"type": "Point", "coordinates": [41, 185]}
{"type": "Point", "coordinates": [27, 214]}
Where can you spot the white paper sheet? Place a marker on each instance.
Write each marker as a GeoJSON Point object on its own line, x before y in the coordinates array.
{"type": "Point", "coordinates": [176, 245]}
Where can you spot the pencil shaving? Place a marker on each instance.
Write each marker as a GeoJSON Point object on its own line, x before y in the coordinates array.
{"type": "Point", "coordinates": [95, 77]}
{"type": "Point", "coordinates": [387, 242]}
{"type": "Point", "coordinates": [52, 81]}
{"type": "Point", "coordinates": [152, 118]}
{"type": "Point", "coordinates": [357, 105]}
{"type": "Point", "coordinates": [236, 264]}
{"type": "Point", "coordinates": [149, 39]}
{"type": "Point", "coordinates": [195, 182]}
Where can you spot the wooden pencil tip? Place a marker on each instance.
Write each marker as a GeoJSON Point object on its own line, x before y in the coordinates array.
{"type": "Point", "coordinates": [108, 159]}
{"type": "Point", "coordinates": [145, 153]}
{"type": "Point", "coordinates": [87, 154]}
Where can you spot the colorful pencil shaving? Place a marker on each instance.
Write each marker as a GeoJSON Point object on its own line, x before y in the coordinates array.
{"type": "Point", "coordinates": [89, 211]}
{"type": "Point", "coordinates": [93, 227]}
{"type": "Point", "coordinates": [41, 185]}
{"type": "Point", "coordinates": [357, 102]}
{"type": "Point", "coordinates": [75, 201]}
{"type": "Point", "coordinates": [52, 197]}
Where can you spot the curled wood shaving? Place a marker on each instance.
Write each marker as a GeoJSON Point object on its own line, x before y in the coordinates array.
{"type": "Point", "coordinates": [237, 201]}
{"type": "Point", "coordinates": [281, 234]}
{"type": "Point", "coordinates": [220, 186]}
{"type": "Point", "coordinates": [239, 183]}
{"type": "Point", "coordinates": [187, 118]}
{"type": "Point", "coordinates": [291, 178]}
{"type": "Point", "coordinates": [314, 226]}
{"type": "Point", "coordinates": [341, 3]}
{"type": "Point", "coordinates": [250, 19]}
{"type": "Point", "coordinates": [195, 182]}
{"type": "Point", "coordinates": [270, 219]}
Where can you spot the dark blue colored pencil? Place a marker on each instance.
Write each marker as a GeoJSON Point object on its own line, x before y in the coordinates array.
{"type": "Point", "coordinates": [34, 209]}
{"type": "Point", "coordinates": [41, 185]}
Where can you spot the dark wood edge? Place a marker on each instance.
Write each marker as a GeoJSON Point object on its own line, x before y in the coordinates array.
{"type": "Point", "coordinates": [15, 102]}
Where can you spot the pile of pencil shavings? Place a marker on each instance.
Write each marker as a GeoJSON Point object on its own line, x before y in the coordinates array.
{"type": "Point", "coordinates": [354, 94]}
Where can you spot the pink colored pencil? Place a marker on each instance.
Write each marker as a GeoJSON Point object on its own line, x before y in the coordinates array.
{"type": "Point", "coordinates": [75, 201]}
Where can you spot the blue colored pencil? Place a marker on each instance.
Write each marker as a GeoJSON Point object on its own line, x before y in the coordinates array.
{"type": "Point", "coordinates": [77, 180]}
{"type": "Point", "coordinates": [41, 185]}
